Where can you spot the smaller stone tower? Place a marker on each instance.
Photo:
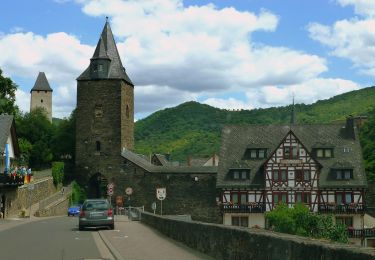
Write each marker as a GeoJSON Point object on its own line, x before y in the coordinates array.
{"type": "Point", "coordinates": [41, 95]}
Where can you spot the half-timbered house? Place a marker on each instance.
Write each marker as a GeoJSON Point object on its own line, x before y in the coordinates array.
{"type": "Point", "coordinates": [318, 165]}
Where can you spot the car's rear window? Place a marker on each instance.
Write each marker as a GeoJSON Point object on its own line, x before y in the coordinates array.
{"type": "Point", "coordinates": [99, 205]}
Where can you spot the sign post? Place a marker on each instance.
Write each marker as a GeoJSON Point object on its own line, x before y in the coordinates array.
{"type": "Point", "coordinates": [161, 194]}
{"type": "Point", "coordinates": [153, 206]}
{"type": "Point", "coordinates": [110, 188]}
{"type": "Point", "coordinates": [129, 192]}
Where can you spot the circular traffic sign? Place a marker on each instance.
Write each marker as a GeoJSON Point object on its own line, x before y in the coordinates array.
{"type": "Point", "coordinates": [110, 185]}
{"type": "Point", "coordinates": [129, 191]}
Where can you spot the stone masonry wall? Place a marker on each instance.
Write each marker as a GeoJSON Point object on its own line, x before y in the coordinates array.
{"type": "Point", "coordinates": [100, 119]}
{"type": "Point", "coordinates": [184, 194]}
{"type": "Point", "coordinates": [227, 242]}
{"type": "Point", "coordinates": [20, 198]}
{"type": "Point", "coordinates": [58, 209]}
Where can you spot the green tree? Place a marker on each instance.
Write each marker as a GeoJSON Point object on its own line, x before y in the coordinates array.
{"type": "Point", "coordinates": [36, 129]}
{"type": "Point", "coordinates": [63, 141]}
{"type": "Point", "coordinates": [7, 95]}
{"type": "Point", "coordinates": [367, 135]}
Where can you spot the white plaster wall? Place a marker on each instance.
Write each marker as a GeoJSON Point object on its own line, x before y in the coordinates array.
{"type": "Point", "coordinates": [257, 219]}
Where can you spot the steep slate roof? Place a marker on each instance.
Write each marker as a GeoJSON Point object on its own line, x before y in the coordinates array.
{"type": "Point", "coordinates": [236, 139]}
{"type": "Point", "coordinates": [106, 48]}
{"type": "Point", "coordinates": [41, 83]}
{"type": "Point", "coordinates": [6, 128]}
{"type": "Point", "coordinates": [146, 165]}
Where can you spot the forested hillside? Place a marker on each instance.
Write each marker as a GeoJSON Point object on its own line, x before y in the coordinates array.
{"type": "Point", "coordinates": [194, 129]}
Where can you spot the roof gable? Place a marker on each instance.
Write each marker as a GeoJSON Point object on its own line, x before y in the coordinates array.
{"type": "Point", "coordinates": [236, 139]}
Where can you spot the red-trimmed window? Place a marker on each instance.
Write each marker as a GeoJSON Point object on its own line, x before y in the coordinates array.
{"type": "Point", "coordinates": [279, 175]}
{"type": "Point", "coordinates": [278, 197]}
{"type": "Point", "coordinates": [303, 175]}
{"type": "Point", "coordinates": [238, 198]}
{"type": "Point", "coordinates": [344, 197]}
{"type": "Point", "coordinates": [303, 197]}
{"type": "Point", "coordinates": [291, 152]}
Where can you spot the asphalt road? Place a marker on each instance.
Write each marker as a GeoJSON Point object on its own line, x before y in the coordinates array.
{"type": "Point", "coordinates": [50, 239]}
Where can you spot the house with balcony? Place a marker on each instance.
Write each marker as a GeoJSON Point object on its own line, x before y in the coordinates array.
{"type": "Point", "coordinates": [318, 165]}
{"type": "Point", "coordinates": [9, 153]}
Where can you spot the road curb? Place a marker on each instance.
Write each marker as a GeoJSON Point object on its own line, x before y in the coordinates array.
{"type": "Point", "coordinates": [111, 248]}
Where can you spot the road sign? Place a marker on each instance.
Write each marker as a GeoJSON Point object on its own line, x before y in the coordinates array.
{"type": "Point", "coordinates": [110, 185]}
{"type": "Point", "coordinates": [153, 205]}
{"type": "Point", "coordinates": [110, 191]}
{"type": "Point", "coordinates": [129, 191]}
{"type": "Point", "coordinates": [161, 193]}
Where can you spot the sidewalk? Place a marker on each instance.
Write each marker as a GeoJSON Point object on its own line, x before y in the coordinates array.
{"type": "Point", "coordinates": [134, 240]}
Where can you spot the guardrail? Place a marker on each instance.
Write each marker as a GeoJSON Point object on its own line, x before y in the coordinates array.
{"type": "Point", "coordinates": [351, 208]}
{"type": "Point", "coordinates": [244, 208]}
{"type": "Point", "coordinates": [361, 233]}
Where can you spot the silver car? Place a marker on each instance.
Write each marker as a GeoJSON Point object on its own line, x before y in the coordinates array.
{"type": "Point", "coordinates": [96, 213]}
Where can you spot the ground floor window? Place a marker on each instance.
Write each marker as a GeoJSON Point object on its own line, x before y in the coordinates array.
{"type": "Point", "coordinates": [347, 221]}
{"type": "Point", "coordinates": [240, 221]}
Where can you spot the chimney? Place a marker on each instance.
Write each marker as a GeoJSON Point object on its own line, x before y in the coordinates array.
{"type": "Point", "coordinates": [349, 126]}
{"type": "Point", "coordinates": [213, 159]}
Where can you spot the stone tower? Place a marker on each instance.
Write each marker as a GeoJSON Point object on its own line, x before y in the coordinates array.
{"type": "Point", "coordinates": [105, 112]}
{"type": "Point", "coordinates": [41, 95]}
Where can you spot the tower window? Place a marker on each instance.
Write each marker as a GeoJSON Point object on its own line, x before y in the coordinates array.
{"type": "Point", "coordinates": [127, 112]}
{"type": "Point", "coordinates": [98, 146]}
{"type": "Point", "coordinates": [41, 101]}
{"type": "Point", "coordinates": [100, 67]}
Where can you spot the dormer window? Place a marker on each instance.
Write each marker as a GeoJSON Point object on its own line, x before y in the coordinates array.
{"type": "Point", "coordinates": [239, 174]}
{"type": "Point", "coordinates": [343, 174]}
{"type": "Point", "coordinates": [255, 153]}
{"type": "Point", "coordinates": [324, 152]}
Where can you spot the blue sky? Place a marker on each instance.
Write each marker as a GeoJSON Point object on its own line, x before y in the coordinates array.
{"type": "Point", "coordinates": [229, 54]}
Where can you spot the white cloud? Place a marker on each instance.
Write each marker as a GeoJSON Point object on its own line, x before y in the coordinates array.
{"type": "Point", "coordinates": [361, 7]}
{"type": "Point", "coordinates": [230, 103]}
{"type": "Point", "coordinates": [23, 100]}
{"type": "Point", "coordinates": [175, 53]}
{"type": "Point", "coordinates": [307, 92]}
{"type": "Point", "coordinates": [61, 56]}
{"type": "Point", "coordinates": [350, 39]}
{"type": "Point", "coordinates": [153, 97]}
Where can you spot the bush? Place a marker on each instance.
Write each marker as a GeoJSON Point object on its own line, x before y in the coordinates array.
{"type": "Point", "coordinates": [57, 172]}
{"type": "Point", "coordinates": [300, 221]}
{"type": "Point", "coordinates": [78, 193]}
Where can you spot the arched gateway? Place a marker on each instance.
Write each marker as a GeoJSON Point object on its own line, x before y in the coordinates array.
{"type": "Point", "coordinates": [97, 186]}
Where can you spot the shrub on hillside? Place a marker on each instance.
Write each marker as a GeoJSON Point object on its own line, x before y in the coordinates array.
{"type": "Point", "coordinates": [57, 172]}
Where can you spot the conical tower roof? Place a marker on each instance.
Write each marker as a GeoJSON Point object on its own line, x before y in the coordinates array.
{"type": "Point", "coordinates": [107, 49]}
{"type": "Point", "coordinates": [41, 83]}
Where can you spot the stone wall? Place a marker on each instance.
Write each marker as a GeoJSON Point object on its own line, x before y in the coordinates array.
{"type": "Point", "coordinates": [58, 209]}
{"type": "Point", "coordinates": [227, 242]}
{"type": "Point", "coordinates": [185, 195]}
{"type": "Point", "coordinates": [19, 199]}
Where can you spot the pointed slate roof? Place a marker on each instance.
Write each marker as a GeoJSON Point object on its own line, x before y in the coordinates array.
{"type": "Point", "coordinates": [236, 139]}
{"type": "Point", "coordinates": [106, 48]}
{"type": "Point", "coordinates": [41, 83]}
